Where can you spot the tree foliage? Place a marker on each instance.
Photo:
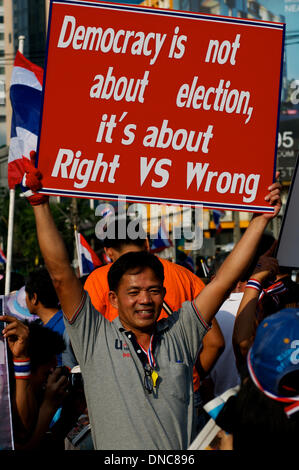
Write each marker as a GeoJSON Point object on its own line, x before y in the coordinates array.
{"type": "Point", "coordinates": [26, 253]}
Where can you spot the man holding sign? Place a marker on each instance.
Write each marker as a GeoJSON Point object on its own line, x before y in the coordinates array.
{"type": "Point", "coordinates": [138, 373]}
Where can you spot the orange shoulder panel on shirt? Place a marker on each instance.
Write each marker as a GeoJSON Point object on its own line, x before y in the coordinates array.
{"type": "Point", "coordinates": [181, 285]}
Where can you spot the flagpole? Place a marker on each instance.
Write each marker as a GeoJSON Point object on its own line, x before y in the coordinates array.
{"type": "Point", "coordinates": [12, 194]}
{"type": "Point", "coordinates": [9, 240]}
{"type": "Point", "coordinates": [78, 251]}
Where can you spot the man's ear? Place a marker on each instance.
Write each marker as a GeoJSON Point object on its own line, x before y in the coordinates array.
{"type": "Point", "coordinates": [113, 299]}
{"type": "Point", "coordinates": [34, 299]}
{"type": "Point", "coordinates": [164, 292]}
{"type": "Point", "coordinates": [146, 244]}
{"type": "Point", "coordinates": [112, 253]}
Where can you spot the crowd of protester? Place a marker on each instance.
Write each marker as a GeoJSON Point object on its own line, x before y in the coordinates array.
{"type": "Point", "coordinates": [235, 326]}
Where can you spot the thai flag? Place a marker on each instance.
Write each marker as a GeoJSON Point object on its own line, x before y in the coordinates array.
{"type": "Point", "coordinates": [88, 260]}
{"type": "Point", "coordinates": [274, 290]}
{"type": "Point", "coordinates": [161, 240]}
{"type": "Point", "coordinates": [2, 257]}
{"type": "Point", "coordinates": [26, 100]}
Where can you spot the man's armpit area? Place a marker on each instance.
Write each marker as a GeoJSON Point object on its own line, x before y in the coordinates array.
{"type": "Point", "coordinates": [78, 310]}
{"type": "Point", "coordinates": [198, 314]}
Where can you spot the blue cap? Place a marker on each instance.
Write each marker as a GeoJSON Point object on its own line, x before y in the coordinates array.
{"type": "Point", "coordinates": [275, 351]}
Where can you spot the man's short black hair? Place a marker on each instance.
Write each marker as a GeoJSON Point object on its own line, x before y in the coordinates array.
{"type": "Point", "coordinates": [119, 234]}
{"type": "Point", "coordinates": [133, 260]}
{"type": "Point", "coordinates": [40, 283]}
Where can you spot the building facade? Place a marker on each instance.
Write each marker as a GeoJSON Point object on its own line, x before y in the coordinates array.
{"type": "Point", "coordinates": [27, 18]}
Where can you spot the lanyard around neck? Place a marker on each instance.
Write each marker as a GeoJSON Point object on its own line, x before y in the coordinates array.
{"type": "Point", "coordinates": [149, 353]}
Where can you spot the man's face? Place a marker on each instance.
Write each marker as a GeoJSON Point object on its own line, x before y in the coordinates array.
{"type": "Point", "coordinates": [139, 300]}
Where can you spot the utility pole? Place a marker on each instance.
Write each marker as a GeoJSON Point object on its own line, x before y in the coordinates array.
{"type": "Point", "coordinates": [74, 216]}
{"type": "Point", "coordinates": [236, 230]}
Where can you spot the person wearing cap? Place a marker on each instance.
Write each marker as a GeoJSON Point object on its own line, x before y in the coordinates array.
{"type": "Point", "coordinates": [263, 416]}
{"type": "Point", "coordinates": [137, 372]}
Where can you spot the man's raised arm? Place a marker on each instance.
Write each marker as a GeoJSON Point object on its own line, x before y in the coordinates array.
{"type": "Point", "coordinates": [211, 297]}
{"type": "Point", "coordinates": [68, 287]}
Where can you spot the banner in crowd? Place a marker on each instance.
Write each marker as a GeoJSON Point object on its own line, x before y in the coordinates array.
{"type": "Point", "coordinates": [6, 434]}
{"type": "Point", "coordinates": [287, 247]}
{"type": "Point", "coordinates": [160, 106]}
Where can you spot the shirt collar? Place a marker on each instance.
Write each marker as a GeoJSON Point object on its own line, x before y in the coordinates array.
{"type": "Point", "coordinates": [161, 325]}
{"type": "Point", "coordinates": [57, 317]}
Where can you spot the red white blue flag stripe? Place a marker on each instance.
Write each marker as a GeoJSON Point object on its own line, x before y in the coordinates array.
{"type": "Point", "coordinates": [22, 369]}
{"type": "Point", "coordinates": [292, 403]}
{"type": "Point", "coordinates": [2, 257]}
{"type": "Point", "coordinates": [149, 353]}
{"type": "Point", "coordinates": [274, 290]}
{"type": "Point", "coordinates": [26, 100]}
{"type": "Point", "coordinates": [88, 260]}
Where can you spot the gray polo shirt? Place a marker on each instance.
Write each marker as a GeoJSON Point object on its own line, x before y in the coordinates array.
{"type": "Point", "coordinates": [123, 415]}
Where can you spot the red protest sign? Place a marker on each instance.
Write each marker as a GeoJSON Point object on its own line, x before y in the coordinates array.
{"type": "Point", "coordinates": [160, 106]}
